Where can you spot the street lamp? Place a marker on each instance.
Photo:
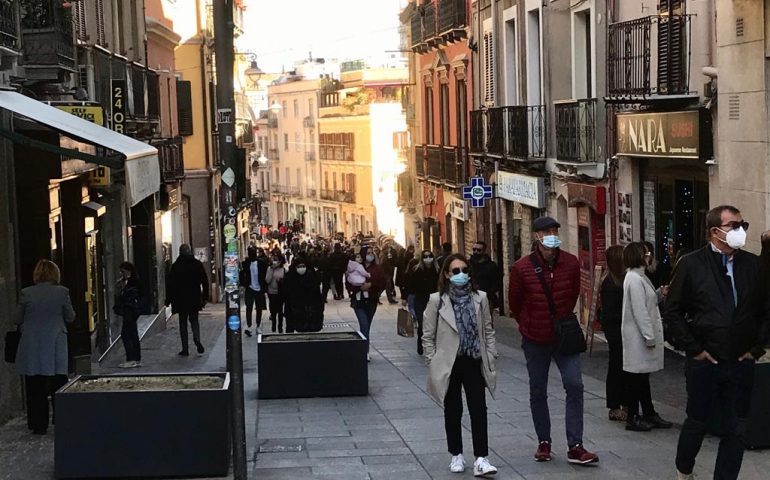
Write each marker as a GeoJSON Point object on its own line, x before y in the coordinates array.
{"type": "Point", "coordinates": [276, 107]}
{"type": "Point", "coordinates": [254, 73]}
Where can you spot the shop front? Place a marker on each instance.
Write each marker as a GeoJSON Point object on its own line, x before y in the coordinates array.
{"type": "Point", "coordinates": [456, 218]}
{"type": "Point", "coordinates": [524, 199]}
{"type": "Point", "coordinates": [591, 204]}
{"type": "Point", "coordinates": [662, 155]}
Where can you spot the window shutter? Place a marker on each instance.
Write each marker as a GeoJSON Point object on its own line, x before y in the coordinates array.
{"type": "Point", "coordinates": [672, 39]}
{"type": "Point", "coordinates": [81, 23]}
{"type": "Point", "coordinates": [184, 107]}
{"type": "Point", "coordinates": [489, 69]}
{"type": "Point", "coordinates": [101, 37]}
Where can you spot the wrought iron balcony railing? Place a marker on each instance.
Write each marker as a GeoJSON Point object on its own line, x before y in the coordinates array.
{"type": "Point", "coordinates": [477, 131]}
{"type": "Point", "coordinates": [309, 156]}
{"type": "Point", "coordinates": [308, 122]}
{"type": "Point", "coordinates": [47, 34]}
{"type": "Point", "coordinates": [435, 170]}
{"type": "Point", "coordinates": [9, 32]}
{"type": "Point", "coordinates": [452, 16]}
{"type": "Point", "coordinates": [170, 155]}
{"type": "Point", "coordinates": [272, 120]}
{"type": "Point", "coordinates": [429, 24]}
{"type": "Point", "coordinates": [416, 30]}
{"type": "Point", "coordinates": [576, 131]}
{"type": "Point", "coordinates": [449, 166]}
{"type": "Point", "coordinates": [649, 56]}
{"type": "Point", "coordinates": [280, 189]}
{"type": "Point", "coordinates": [516, 132]}
{"type": "Point", "coordinates": [419, 161]}
{"type": "Point", "coordinates": [273, 154]}
{"type": "Point", "coordinates": [338, 196]}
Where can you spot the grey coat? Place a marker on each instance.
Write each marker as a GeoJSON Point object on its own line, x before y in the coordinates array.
{"type": "Point", "coordinates": [641, 327]}
{"type": "Point", "coordinates": [441, 341]}
{"type": "Point", "coordinates": [43, 312]}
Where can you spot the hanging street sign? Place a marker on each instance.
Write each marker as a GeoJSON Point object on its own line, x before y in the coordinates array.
{"type": "Point", "coordinates": [228, 177]}
{"type": "Point", "coordinates": [477, 192]}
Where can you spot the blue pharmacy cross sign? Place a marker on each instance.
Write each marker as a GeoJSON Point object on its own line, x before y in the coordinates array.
{"type": "Point", "coordinates": [477, 192]}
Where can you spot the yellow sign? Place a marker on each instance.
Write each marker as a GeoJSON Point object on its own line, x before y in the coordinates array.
{"type": "Point", "coordinates": [94, 114]}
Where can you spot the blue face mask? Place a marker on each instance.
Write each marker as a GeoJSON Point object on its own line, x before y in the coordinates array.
{"type": "Point", "coordinates": [460, 279]}
{"type": "Point", "coordinates": [551, 241]}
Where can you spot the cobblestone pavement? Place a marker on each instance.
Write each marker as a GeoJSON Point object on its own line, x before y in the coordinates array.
{"type": "Point", "coordinates": [397, 431]}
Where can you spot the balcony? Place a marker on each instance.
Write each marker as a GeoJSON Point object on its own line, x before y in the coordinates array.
{"type": "Point", "coordinates": [308, 122]}
{"type": "Point", "coordinates": [312, 192]}
{"type": "Point", "coordinates": [405, 190]}
{"type": "Point", "coordinates": [171, 158]}
{"type": "Point", "coordinates": [272, 154]}
{"type": "Point", "coordinates": [452, 16]}
{"type": "Point", "coordinates": [512, 132]}
{"type": "Point", "coordinates": [454, 165]}
{"type": "Point", "coordinates": [48, 50]}
{"type": "Point", "coordinates": [443, 164]}
{"type": "Point", "coordinates": [429, 30]}
{"type": "Point", "coordinates": [338, 196]}
{"type": "Point", "coordinates": [649, 57]}
{"type": "Point", "coordinates": [280, 189]}
{"type": "Point", "coordinates": [330, 99]}
{"type": "Point", "coordinates": [294, 191]}
{"type": "Point", "coordinates": [9, 33]}
{"type": "Point", "coordinates": [309, 156]}
{"type": "Point", "coordinates": [419, 161]}
{"type": "Point", "coordinates": [416, 31]}
{"type": "Point", "coordinates": [576, 131]}
{"type": "Point", "coordinates": [435, 169]}
{"type": "Point", "coordinates": [272, 120]}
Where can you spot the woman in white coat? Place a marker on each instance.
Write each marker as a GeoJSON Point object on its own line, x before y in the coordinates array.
{"type": "Point", "coordinates": [642, 332]}
{"type": "Point", "coordinates": [459, 347]}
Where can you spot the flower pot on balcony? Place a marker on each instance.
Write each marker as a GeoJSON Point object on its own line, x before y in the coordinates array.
{"type": "Point", "coordinates": [154, 425]}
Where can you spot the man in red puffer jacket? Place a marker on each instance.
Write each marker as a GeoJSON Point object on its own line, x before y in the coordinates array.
{"type": "Point", "coordinates": [529, 306]}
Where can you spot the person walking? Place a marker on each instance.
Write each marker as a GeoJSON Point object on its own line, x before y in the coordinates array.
{"type": "Point", "coordinates": [642, 333]}
{"type": "Point", "coordinates": [302, 291]}
{"type": "Point", "coordinates": [43, 313]}
{"type": "Point", "coordinates": [446, 251]}
{"type": "Point", "coordinates": [127, 305]}
{"type": "Point", "coordinates": [364, 301]}
{"type": "Point", "coordinates": [252, 279]}
{"type": "Point", "coordinates": [486, 274]}
{"type": "Point", "coordinates": [338, 263]}
{"type": "Point", "coordinates": [404, 257]}
{"type": "Point", "coordinates": [717, 312]}
{"type": "Point", "coordinates": [187, 291]}
{"type": "Point", "coordinates": [611, 315]}
{"type": "Point", "coordinates": [274, 277]}
{"type": "Point", "coordinates": [389, 263]}
{"type": "Point", "coordinates": [549, 279]}
{"type": "Point", "coordinates": [421, 282]}
{"type": "Point", "coordinates": [460, 351]}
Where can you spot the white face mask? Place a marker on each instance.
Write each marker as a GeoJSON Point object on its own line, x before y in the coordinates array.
{"type": "Point", "coordinates": [301, 270]}
{"type": "Point", "coordinates": [736, 238]}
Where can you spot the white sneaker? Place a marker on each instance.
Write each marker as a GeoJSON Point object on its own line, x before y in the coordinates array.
{"type": "Point", "coordinates": [368, 358]}
{"type": "Point", "coordinates": [482, 468]}
{"type": "Point", "coordinates": [126, 364]}
{"type": "Point", "coordinates": [684, 476]}
{"type": "Point", "coordinates": [458, 464]}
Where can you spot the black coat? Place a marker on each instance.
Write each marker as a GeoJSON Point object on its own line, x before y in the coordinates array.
{"type": "Point", "coordinates": [421, 282]}
{"type": "Point", "coordinates": [487, 277]}
{"type": "Point", "coordinates": [700, 313]}
{"type": "Point", "coordinates": [244, 277]}
{"type": "Point", "coordinates": [611, 313]}
{"type": "Point", "coordinates": [304, 308]}
{"type": "Point", "coordinates": [187, 285]}
{"type": "Point", "coordinates": [338, 262]}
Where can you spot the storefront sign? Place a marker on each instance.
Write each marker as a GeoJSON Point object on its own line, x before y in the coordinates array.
{"type": "Point", "coordinates": [593, 196]}
{"type": "Point", "coordinates": [477, 192]}
{"type": "Point", "coordinates": [668, 135]}
{"type": "Point", "coordinates": [521, 189]}
{"type": "Point", "coordinates": [94, 114]}
{"type": "Point", "coordinates": [624, 218]}
{"type": "Point", "coordinates": [458, 208]}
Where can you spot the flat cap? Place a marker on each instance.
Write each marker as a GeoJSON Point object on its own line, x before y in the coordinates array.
{"type": "Point", "coordinates": [544, 223]}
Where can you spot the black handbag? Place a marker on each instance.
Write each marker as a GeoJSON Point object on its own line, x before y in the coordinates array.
{"type": "Point", "coordinates": [569, 333]}
{"type": "Point", "coordinates": [12, 340]}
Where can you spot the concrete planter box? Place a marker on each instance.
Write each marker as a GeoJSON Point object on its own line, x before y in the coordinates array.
{"type": "Point", "coordinates": [154, 425]}
{"type": "Point", "coordinates": [329, 363]}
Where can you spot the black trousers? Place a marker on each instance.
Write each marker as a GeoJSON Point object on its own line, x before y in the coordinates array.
{"type": "Point", "coordinates": [254, 299]}
{"type": "Point", "coordinates": [615, 389]}
{"type": "Point", "coordinates": [38, 389]}
{"type": "Point", "coordinates": [326, 285]}
{"type": "Point", "coordinates": [339, 289]}
{"type": "Point", "coordinates": [192, 317]}
{"type": "Point", "coordinates": [466, 373]}
{"type": "Point", "coordinates": [276, 310]}
{"type": "Point", "coordinates": [638, 391]}
{"type": "Point", "coordinates": [729, 384]}
{"type": "Point", "coordinates": [420, 303]}
{"type": "Point", "coordinates": [129, 333]}
{"type": "Point", "coordinates": [390, 288]}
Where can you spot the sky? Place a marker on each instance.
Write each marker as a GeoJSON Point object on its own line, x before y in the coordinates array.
{"type": "Point", "coordinates": [283, 31]}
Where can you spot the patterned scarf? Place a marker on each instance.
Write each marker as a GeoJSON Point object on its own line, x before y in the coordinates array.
{"type": "Point", "coordinates": [465, 319]}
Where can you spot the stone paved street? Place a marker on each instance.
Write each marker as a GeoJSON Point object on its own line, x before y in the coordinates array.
{"type": "Point", "coordinates": [397, 431]}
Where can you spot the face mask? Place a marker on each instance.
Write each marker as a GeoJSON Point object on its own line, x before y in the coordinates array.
{"type": "Point", "coordinates": [736, 239]}
{"type": "Point", "coordinates": [276, 263]}
{"type": "Point", "coordinates": [370, 258]}
{"type": "Point", "coordinates": [551, 241]}
{"type": "Point", "coordinates": [428, 261]}
{"type": "Point", "coordinates": [301, 270]}
{"type": "Point", "coordinates": [460, 279]}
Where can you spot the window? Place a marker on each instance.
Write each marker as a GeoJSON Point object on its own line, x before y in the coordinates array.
{"type": "Point", "coordinates": [672, 47]}
{"type": "Point", "coordinates": [444, 112]}
{"type": "Point", "coordinates": [352, 182]}
{"type": "Point", "coordinates": [489, 68]}
{"type": "Point", "coordinates": [534, 61]}
{"type": "Point", "coordinates": [285, 142]}
{"type": "Point", "coordinates": [511, 62]}
{"type": "Point", "coordinates": [429, 115]}
{"type": "Point", "coordinates": [277, 176]}
{"type": "Point", "coordinates": [310, 107]}
{"type": "Point", "coordinates": [582, 68]}
{"type": "Point", "coordinates": [461, 107]}
{"type": "Point", "coordinates": [284, 109]}
{"type": "Point", "coordinates": [297, 142]}
{"type": "Point", "coordinates": [326, 180]}
{"type": "Point", "coordinates": [334, 181]}
{"type": "Point", "coordinates": [296, 108]}
{"type": "Point", "coordinates": [184, 107]}
{"type": "Point", "coordinates": [299, 178]}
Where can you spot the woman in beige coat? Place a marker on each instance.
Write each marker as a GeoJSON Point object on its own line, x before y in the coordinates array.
{"type": "Point", "coordinates": [459, 347]}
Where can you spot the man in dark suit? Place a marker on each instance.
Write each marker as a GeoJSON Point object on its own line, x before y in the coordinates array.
{"type": "Point", "coordinates": [187, 291]}
{"type": "Point", "coordinates": [252, 279]}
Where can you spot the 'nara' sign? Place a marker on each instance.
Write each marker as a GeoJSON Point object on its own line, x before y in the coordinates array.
{"type": "Point", "coordinates": [667, 135]}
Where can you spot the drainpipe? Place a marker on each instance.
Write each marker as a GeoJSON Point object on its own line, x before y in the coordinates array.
{"type": "Point", "coordinates": [612, 171]}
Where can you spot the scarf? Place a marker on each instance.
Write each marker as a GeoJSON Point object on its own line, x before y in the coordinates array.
{"type": "Point", "coordinates": [465, 319]}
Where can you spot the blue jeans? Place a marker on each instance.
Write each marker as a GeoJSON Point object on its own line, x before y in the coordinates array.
{"type": "Point", "coordinates": [365, 311]}
{"type": "Point", "coordinates": [538, 363]}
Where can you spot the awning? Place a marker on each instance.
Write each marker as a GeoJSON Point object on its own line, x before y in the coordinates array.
{"type": "Point", "coordinates": [140, 159]}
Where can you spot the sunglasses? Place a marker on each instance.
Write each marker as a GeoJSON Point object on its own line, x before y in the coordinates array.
{"type": "Point", "coordinates": [456, 271]}
{"type": "Point", "coordinates": [478, 250]}
{"type": "Point", "coordinates": [736, 225]}
{"type": "Point", "coordinates": [427, 256]}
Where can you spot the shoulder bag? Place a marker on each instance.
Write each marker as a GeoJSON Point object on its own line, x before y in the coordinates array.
{"type": "Point", "coordinates": [569, 333]}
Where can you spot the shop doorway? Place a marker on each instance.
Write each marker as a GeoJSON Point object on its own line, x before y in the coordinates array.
{"type": "Point", "coordinates": [674, 206]}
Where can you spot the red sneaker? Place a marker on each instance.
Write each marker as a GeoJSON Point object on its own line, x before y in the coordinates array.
{"type": "Point", "coordinates": [543, 453]}
{"type": "Point", "coordinates": [581, 456]}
